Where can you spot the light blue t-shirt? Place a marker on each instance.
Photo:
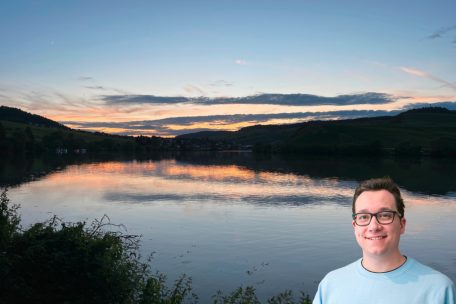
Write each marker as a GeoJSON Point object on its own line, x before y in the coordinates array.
{"type": "Point", "coordinates": [411, 283]}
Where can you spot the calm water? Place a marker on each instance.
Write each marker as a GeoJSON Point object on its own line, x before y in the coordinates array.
{"type": "Point", "coordinates": [231, 219]}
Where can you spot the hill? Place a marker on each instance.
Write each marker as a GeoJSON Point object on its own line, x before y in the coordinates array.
{"type": "Point", "coordinates": [23, 133]}
{"type": "Point", "coordinates": [14, 120]}
{"type": "Point", "coordinates": [424, 131]}
{"type": "Point", "coordinates": [430, 130]}
{"type": "Point", "coordinates": [19, 116]}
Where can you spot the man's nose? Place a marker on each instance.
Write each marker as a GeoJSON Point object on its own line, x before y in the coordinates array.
{"type": "Point", "coordinates": [374, 224]}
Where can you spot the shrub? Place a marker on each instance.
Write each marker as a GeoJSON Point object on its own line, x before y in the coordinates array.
{"type": "Point", "coordinates": [58, 262]}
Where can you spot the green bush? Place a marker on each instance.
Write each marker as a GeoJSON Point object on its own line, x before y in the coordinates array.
{"type": "Point", "coordinates": [247, 295]}
{"type": "Point", "coordinates": [58, 262]}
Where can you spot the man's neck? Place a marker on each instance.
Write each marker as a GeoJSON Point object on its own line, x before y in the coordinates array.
{"type": "Point", "coordinates": [383, 264]}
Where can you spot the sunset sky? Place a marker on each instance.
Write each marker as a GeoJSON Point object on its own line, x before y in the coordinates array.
{"type": "Point", "coordinates": [172, 67]}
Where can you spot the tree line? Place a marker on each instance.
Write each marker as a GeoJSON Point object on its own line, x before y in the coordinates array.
{"type": "Point", "coordinates": [23, 142]}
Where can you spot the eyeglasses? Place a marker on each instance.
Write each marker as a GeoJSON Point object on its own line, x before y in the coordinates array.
{"type": "Point", "coordinates": [383, 217]}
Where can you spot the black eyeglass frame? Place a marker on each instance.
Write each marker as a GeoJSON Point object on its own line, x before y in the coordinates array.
{"type": "Point", "coordinates": [376, 217]}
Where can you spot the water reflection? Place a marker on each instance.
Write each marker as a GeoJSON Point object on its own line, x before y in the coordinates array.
{"type": "Point", "coordinates": [171, 180]}
{"type": "Point", "coordinates": [427, 176]}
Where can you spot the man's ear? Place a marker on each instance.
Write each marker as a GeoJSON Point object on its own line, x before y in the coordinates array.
{"type": "Point", "coordinates": [403, 222]}
{"type": "Point", "coordinates": [353, 223]}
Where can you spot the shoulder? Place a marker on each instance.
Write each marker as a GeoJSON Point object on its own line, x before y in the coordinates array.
{"type": "Point", "coordinates": [337, 284]}
{"type": "Point", "coordinates": [432, 284]}
{"type": "Point", "coordinates": [342, 274]}
{"type": "Point", "coordinates": [430, 281]}
{"type": "Point", "coordinates": [427, 273]}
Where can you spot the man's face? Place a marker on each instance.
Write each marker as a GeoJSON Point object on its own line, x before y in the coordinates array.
{"type": "Point", "coordinates": [378, 240]}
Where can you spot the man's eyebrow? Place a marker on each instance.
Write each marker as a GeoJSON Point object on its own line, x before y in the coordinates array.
{"type": "Point", "coordinates": [381, 209]}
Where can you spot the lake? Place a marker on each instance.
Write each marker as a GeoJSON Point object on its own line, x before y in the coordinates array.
{"type": "Point", "coordinates": [232, 219]}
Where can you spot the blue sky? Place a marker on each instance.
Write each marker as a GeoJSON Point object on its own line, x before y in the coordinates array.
{"type": "Point", "coordinates": [67, 60]}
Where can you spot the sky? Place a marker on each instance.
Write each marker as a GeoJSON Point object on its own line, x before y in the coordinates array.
{"type": "Point", "coordinates": [166, 68]}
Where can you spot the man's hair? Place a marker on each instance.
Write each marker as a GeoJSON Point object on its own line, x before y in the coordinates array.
{"type": "Point", "coordinates": [376, 184]}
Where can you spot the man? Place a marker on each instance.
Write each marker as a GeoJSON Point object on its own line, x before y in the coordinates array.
{"type": "Point", "coordinates": [383, 274]}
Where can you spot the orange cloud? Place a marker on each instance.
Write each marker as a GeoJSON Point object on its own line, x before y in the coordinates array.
{"type": "Point", "coordinates": [414, 72]}
{"type": "Point", "coordinates": [419, 73]}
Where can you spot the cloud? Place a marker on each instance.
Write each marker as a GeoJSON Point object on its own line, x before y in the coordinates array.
{"type": "Point", "coordinates": [192, 89]}
{"type": "Point", "coordinates": [85, 78]}
{"type": "Point", "coordinates": [96, 88]}
{"type": "Point", "coordinates": [423, 74]}
{"type": "Point", "coordinates": [141, 99]}
{"type": "Point", "coordinates": [48, 101]}
{"type": "Point", "coordinates": [191, 124]}
{"type": "Point", "coordinates": [414, 72]}
{"type": "Point", "coordinates": [164, 127]}
{"type": "Point", "coordinates": [240, 62]}
{"type": "Point", "coordinates": [441, 32]}
{"type": "Point", "coordinates": [272, 99]}
{"type": "Point", "coordinates": [305, 99]}
{"type": "Point", "coordinates": [221, 83]}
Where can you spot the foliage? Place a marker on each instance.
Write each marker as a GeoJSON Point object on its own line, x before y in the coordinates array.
{"type": "Point", "coordinates": [287, 298]}
{"type": "Point", "coordinates": [9, 221]}
{"type": "Point", "coordinates": [248, 295]}
{"type": "Point", "coordinates": [59, 262]}
{"type": "Point", "coordinates": [443, 147]}
{"type": "Point", "coordinates": [407, 148]}
{"type": "Point", "coordinates": [155, 291]}
{"type": "Point", "coordinates": [238, 296]}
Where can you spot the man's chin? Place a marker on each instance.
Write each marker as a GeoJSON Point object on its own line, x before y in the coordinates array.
{"type": "Point", "coordinates": [374, 252]}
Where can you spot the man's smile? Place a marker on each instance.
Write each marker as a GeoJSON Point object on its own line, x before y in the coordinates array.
{"type": "Point", "coordinates": [374, 238]}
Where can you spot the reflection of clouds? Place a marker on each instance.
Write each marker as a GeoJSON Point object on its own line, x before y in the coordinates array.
{"type": "Point", "coordinates": [430, 218]}
{"type": "Point", "coordinates": [170, 180]}
{"type": "Point", "coordinates": [284, 200]}
{"type": "Point", "coordinates": [414, 200]}
{"type": "Point", "coordinates": [211, 173]}
{"type": "Point", "coordinates": [424, 213]}
{"type": "Point", "coordinates": [239, 182]}
{"type": "Point", "coordinates": [93, 169]}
